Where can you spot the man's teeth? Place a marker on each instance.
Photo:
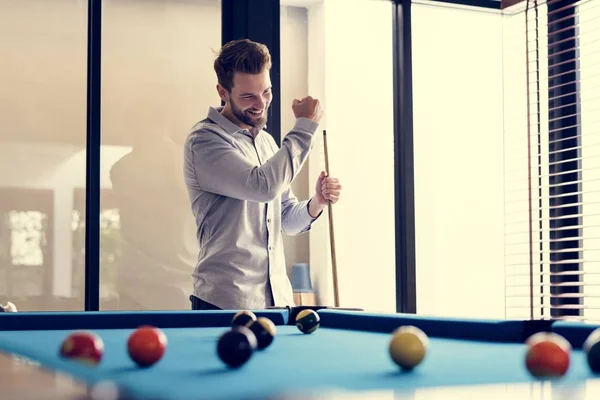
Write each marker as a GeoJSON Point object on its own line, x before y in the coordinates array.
{"type": "Point", "coordinates": [255, 112]}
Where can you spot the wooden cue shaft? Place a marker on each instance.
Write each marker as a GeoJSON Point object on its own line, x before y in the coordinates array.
{"type": "Point", "coordinates": [336, 294]}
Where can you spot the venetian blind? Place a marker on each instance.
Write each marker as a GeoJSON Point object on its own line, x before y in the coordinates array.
{"type": "Point", "coordinates": [552, 159]}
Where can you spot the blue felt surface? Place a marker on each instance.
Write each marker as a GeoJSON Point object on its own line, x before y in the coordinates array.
{"type": "Point", "coordinates": [328, 358]}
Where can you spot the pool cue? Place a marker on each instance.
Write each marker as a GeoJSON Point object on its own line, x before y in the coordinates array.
{"type": "Point", "coordinates": [336, 294]}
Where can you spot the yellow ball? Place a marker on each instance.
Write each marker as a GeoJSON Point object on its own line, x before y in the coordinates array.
{"type": "Point", "coordinates": [268, 325]}
{"type": "Point", "coordinates": [243, 318]}
{"type": "Point", "coordinates": [408, 346]}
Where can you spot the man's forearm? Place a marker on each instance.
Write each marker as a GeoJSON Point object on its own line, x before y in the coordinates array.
{"type": "Point", "coordinates": [314, 208]}
{"type": "Point", "coordinates": [216, 165]}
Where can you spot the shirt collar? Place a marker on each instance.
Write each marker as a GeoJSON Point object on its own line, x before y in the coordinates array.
{"type": "Point", "coordinates": [214, 113]}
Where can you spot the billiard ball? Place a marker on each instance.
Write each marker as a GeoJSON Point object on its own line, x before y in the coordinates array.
{"type": "Point", "coordinates": [591, 347]}
{"type": "Point", "coordinates": [308, 321]}
{"type": "Point", "coordinates": [84, 347]}
{"type": "Point", "coordinates": [408, 347]}
{"type": "Point", "coordinates": [243, 318]}
{"type": "Point", "coordinates": [146, 345]}
{"type": "Point", "coordinates": [547, 336]}
{"type": "Point", "coordinates": [264, 330]}
{"type": "Point", "coordinates": [548, 355]}
{"type": "Point", "coordinates": [236, 346]}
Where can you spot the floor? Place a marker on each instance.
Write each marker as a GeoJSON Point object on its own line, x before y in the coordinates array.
{"type": "Point", "coordinates": [24, 380]}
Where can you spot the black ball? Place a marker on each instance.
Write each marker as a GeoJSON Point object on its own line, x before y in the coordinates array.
{"type": "Point", "coordinates": [236, 346]}
{"type": "Point", "coordinates": [308, 321]}
{"type": "Point", "coordinates": [243, 318]}
{"type": "Point", "coordinates": [592, 349]}
{"type": "Point", "coordinates": [264, 330]}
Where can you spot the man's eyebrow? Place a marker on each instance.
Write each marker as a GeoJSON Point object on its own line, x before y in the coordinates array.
{"type": "Point", "coordinates": [250, 94]}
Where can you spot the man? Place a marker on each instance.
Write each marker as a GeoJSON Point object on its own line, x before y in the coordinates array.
{"type": "Point", "coordinates": [239, 186]}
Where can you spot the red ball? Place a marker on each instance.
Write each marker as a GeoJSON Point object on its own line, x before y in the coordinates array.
{"type": "Point", "coordinates": [548, 355]}
{"type": "Point", "coordinates": [146, 345]}
{"type": "Point", "coordinates": [84, 347]}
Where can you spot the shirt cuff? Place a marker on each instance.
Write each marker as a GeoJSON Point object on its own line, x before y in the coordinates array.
{"type": "Point", "coordinates": [312, 219]}
{"type": "Point", "coordinates": [305, 125]}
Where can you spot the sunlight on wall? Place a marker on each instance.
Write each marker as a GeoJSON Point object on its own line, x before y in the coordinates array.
{"type": "Point", "coordinates": [458, 162]}
{"type": "Point", "coordinates": [294, 84]}
{"type": "Point", "coordinates": [350, 69]}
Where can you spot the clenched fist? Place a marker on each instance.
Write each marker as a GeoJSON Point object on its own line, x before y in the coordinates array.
{"type": "Point", "coordinates": [307, 108]}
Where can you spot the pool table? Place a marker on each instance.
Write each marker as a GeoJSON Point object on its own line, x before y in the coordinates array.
{"type": "Point", "coordinates": [347, 356]}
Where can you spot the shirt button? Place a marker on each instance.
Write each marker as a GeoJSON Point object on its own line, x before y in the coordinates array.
{"type": "Point", "coordinates": [269, 220]}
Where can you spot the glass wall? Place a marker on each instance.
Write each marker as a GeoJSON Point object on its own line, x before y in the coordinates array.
{"type": "Point", "coordinates": [42, 153]}
{"type": "Point", "coordinates": [157, 82]}
{"type": "Point", "coordinates": [341, 53]}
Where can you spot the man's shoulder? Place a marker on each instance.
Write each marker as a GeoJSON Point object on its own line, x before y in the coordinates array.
{"type": "Point", "coordinates": [205, 126]}
{"type": "Point", "coordinates": [205, 131]}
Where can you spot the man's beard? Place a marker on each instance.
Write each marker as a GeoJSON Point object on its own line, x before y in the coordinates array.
{"type": "Point", "coordinates": [254, 122]}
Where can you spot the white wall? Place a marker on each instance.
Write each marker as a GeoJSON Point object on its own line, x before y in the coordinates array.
{"type": "Point", "coordinates": [350, 69]}
{"type": "Point", "coordinates": [294, 84]}
{"type": "Point", "coordinates": [457, 91]}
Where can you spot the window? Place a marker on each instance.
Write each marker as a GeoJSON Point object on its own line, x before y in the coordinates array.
{"type": "Point", "coordinates": [157, 82]}
{"type": "Point", "coordinates": [556, 235]}
{"type": "Point", "coordinates": [42, 151]}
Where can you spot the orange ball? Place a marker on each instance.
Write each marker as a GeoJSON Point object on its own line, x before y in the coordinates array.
{"type": "Point", "coordinates": [147, 345]}
{"type": "Point", "coordinates": [548, 355]}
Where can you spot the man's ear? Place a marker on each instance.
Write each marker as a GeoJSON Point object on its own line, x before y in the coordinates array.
{"type": "Point", "coordinates": [223, 94]}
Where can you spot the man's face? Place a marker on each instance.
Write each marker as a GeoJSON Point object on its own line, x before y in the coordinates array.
{"type": "Point", "coordinates": [250, 98]}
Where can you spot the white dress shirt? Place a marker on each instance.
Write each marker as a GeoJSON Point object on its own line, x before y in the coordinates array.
{"type": "Point", "coordinates": [239, 189]}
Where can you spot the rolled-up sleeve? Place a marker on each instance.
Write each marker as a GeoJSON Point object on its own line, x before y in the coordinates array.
{"type": "Point", "coordinates": [295, 218]}
{"type": "Point", "coordinates": [219, 167]}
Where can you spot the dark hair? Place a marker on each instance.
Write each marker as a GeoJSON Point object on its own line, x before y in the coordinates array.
{"type": "Point", "coordinates": [241, 55]}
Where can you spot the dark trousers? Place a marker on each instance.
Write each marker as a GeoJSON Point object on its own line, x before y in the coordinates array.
{"type": "Point", "coordinates": [199, 304]}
